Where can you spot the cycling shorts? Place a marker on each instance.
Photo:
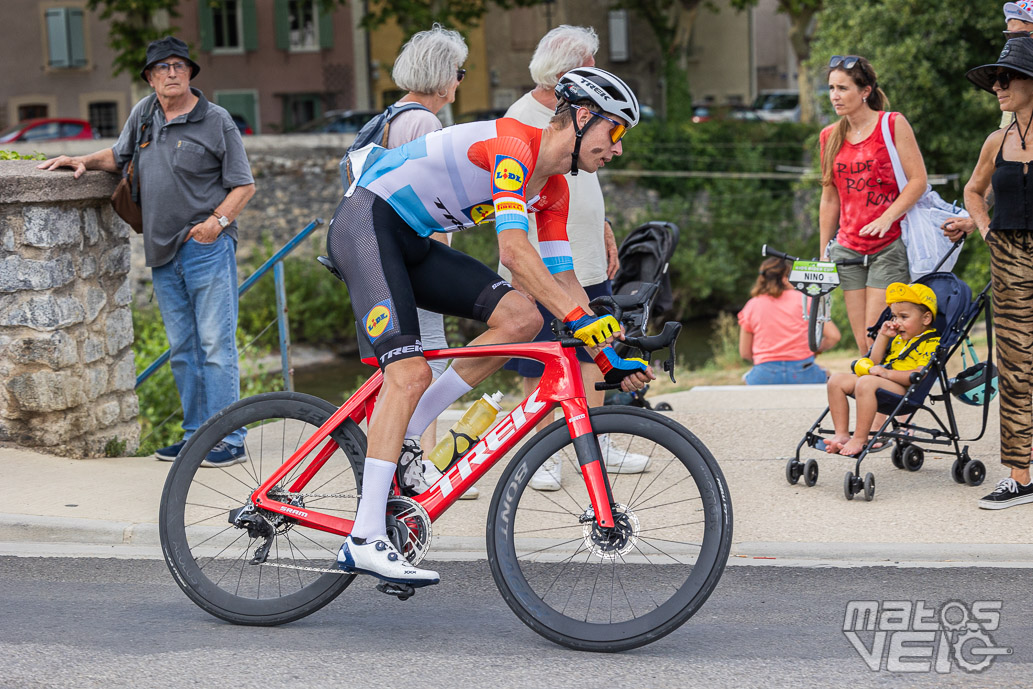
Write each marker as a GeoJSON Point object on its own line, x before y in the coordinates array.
{"type": "Point", "coordinates": [390, 271]}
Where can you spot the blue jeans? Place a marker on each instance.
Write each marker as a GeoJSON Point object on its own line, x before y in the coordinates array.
{"type": "Point", "coordinates": [197, 295]}
{"type": "Point", "coordinates": [786, 373]}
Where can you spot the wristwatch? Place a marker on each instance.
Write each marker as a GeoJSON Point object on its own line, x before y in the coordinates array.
{"type": "Point", "coordinates": [223, 221]}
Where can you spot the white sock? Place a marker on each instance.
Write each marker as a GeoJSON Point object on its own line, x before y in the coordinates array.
{"type": "Point", "coordinates": [439, 396]}
{"type": "Point", "coordinates": [370, 518]}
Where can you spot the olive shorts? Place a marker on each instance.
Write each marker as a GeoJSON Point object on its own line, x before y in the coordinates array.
{"type": "Point", "coordinates": [884, 267]}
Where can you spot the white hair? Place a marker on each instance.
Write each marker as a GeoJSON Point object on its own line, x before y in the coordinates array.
{"type": "Point", "coordinates": [560, 51]}
{"type": "Point", "coordinates": [428, 62]}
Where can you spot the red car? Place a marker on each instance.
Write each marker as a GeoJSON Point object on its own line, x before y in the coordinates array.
{"type": "Point", "coordinates": [47, 129]}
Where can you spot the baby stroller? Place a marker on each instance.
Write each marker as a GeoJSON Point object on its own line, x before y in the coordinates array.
{"type": "Point", "coordinates": [957, 312]}
{"type": "Point", "coordinates": [642, 290]}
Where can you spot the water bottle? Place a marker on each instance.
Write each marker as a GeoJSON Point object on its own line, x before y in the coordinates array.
{"type": "Point", "coordinates": [466, 431]}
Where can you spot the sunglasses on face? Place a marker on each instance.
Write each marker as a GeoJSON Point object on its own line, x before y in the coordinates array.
{"type": "Point", "coordinates": [162, 68]}
{"type": "Point", "coordinates": [1006, 76]}
{"type": "Point", "coordinates": [460, 73]}
{"type": "Point", "coordinates": [1008, 35]}
{"type": "Point", "coordinates": [617, 131]}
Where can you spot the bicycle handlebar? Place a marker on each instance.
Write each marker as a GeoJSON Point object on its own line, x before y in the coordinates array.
{"type": "Point", "coordinates": [859, 261]}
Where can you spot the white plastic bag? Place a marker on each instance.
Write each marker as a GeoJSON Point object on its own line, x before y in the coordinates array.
{"type": "Point", "coordinates": [921, 226]}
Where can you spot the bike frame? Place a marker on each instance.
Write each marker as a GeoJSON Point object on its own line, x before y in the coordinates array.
{"type": "Point", "coordinates": [560, 385]}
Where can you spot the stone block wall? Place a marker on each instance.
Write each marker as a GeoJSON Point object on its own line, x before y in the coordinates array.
{"type": "Point", "coordinates": [66, 329]}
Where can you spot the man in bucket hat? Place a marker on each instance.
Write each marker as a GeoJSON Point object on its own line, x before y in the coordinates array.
{"type": "Point", "coordinates": [195, 180]}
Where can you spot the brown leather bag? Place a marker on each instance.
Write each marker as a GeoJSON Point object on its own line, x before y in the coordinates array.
{"type": "Point", "coordinates": [126, 199]}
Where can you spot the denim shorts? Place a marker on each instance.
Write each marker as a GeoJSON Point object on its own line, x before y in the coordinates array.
{"type": "Point", "coordinates": [786, 373]}
{"type": "Point", "coordinates": [884, 267]}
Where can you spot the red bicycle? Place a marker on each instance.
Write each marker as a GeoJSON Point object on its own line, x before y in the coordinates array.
{"type": "Point", "coordinates": [607, 563]}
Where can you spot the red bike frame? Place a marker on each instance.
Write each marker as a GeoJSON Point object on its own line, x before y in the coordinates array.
{"type": "Point", "coordinates": [560, 385]}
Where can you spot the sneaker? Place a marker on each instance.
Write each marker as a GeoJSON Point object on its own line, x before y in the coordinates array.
{"type": "Point", "coordinates": [415, 474]}
{"type": "Point", "coordinates": [471, 494]}
{"type": "Point", "coordinates": [1008, 493]}
{"type": "Point", "coordinates": [379, 558]}
{"type": "Point", "coordinates": [620, 461]}
{"type": "Point", "coordinates": [225, 455]}
{"type": "Point", "coordinates": [547, 478]}
{"type": "Point", "coordinates": [169, 454]}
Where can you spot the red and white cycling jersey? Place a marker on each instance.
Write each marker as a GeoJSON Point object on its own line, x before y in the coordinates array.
{"type": "Point", "coordinates": [461, 176]}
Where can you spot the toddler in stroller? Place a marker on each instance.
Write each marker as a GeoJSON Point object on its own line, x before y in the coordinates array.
{"type": "Point", "coordinates": [905, 344]}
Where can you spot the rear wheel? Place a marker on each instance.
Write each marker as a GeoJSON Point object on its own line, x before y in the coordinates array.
{"type": "Point", "coordinates": [596, 589]}
{"type": "Point", "coordinates": [213, 559]}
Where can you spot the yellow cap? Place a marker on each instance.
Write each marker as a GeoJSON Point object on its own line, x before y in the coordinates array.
{"type": "Point", "coordinates": [913, 293]}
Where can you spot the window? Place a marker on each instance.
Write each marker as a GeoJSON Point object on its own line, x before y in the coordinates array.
{"type": "Point", "coordinates": [47, 130]}
{"type": "Point", "coordinates": [226, 20]}
{"type": "Point", "coordinates": [104, 118]}
{"type": "Point", "coordinates": [66, 43]}
{"type": "Point", "coordinates": [31, 111]}
{"type": "Point", "coordinates": [228, 26]}
{"type": "Point", "coordinates": [302, 16]}
{"type": "Point", "coordinates": [619, 36]}
{"type": "Point", "coordinates": [299, 108]}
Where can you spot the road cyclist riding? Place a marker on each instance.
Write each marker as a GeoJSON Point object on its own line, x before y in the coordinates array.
{"type": "Point", "coordinates": [449, 180]}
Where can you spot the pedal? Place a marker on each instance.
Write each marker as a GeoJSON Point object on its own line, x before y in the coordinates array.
{"type": "Point", "coordinates": [401, 591]}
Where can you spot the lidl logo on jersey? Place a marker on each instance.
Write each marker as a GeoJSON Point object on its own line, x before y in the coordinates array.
{"type": "Point", "coordinates": [378, 319]}
{"type": "Point", "coordinates": [480, 213]}
{"type": "Point", "coordinates": [510, 174]}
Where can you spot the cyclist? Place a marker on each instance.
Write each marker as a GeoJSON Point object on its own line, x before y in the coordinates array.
{"type": "Point", "coordinates": [451, 180]}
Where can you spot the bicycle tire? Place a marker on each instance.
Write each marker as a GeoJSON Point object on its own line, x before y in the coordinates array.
{"type": "Point", "coordinates": [816, 323]}
{"type": "Point", "coordinates": [208, 555]}
{"type": "Point", "coordinates": [676, 457]}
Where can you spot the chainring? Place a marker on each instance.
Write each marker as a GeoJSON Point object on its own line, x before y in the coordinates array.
{"type": "Point", "coordinates": [409, 527]}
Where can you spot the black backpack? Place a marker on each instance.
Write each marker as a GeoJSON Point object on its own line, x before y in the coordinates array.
{"type": "Point", "coordinates": [375, 132]}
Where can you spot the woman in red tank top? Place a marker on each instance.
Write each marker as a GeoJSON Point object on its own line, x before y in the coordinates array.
{"type": "Point", "coordinates": [860, 203]}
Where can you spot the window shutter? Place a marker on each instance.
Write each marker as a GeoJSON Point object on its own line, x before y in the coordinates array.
{"type": "Point", "coordinates": [326, 28]}
{"type": "Point", "coordinates": [283, 24]}
{"type": "Point", "coordinates": [57, 37]}
{"type": "Point", "coordinates": [250, 25]}
{"type": "Point", "coordinates": [206, 25]}
{"type": "Point", "coordinates": [76, 38]}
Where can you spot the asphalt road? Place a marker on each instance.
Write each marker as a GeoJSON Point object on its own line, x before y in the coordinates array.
{"type": "Point", "coordinates": [70, 622]}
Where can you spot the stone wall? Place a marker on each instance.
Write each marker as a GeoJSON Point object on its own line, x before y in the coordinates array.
{"type": "Point", "coordinates": [66, 328]}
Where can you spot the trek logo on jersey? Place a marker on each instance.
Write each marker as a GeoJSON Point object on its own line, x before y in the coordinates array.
{"type": "Point", "coordinates": [378, 319]}
{"type": "Point", "coordinates": [480, 213]}
{"type": "Point", "coordinates": [510, 174]}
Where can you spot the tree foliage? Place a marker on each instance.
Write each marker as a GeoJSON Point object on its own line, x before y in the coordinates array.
{"type": "Point", "coordinates": [417, 15]}
{"type": "Point", "coordinates": [132, 24]}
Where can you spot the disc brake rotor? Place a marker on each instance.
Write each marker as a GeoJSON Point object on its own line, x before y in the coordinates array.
{"type": "Point", "coordinates": [611, 543]}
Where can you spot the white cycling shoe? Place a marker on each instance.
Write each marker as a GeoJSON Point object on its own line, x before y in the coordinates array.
{"type": "Point", "coordinates": [379, 558]}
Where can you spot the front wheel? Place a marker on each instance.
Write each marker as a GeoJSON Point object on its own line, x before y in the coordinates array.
{"type": "Point", "coordinates": [817, 314]}
{"type": "Point", "coordinates": [237, 561]}
{"type": "Point", "coordinates": [596, 589]}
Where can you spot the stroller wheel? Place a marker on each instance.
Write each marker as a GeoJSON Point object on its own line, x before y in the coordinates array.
{"type": "Point", "coordinates": [848, 486]}
{"type": "Point", "coordinates": [958, 470]}
{"type": "Point", "coordinates": [663, 406]}
{"type": "Point", "coordinates": [898, 456]}
{"type": "Point", "coordinates": [975, 472]}
{"type": "Point", "coordinates": [869, 486]}
{"type": "Point", "coordinates": [913, 458]}
{"type": "Point", "coordinates": [810, 472]}
{"type": "Point", "coordinates": [794, 468]}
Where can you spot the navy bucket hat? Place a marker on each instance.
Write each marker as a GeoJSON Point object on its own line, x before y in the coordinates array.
{"type": "Point", "coordinates": [167, 47]}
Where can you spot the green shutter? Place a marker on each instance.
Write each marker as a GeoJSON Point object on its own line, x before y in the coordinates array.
{"type": "Point", "coordinates": [326, 27]}
{"type": "Point", "coordinates": [250, 25]}
{"type": "Point", "coordinates": [283, 24]}
{"type": "Point", "coordinates": [57, 37]}
{"type": "Point", "coordinates": [206, 26]}
{"type": "Point", "coordinates": [76, 38]}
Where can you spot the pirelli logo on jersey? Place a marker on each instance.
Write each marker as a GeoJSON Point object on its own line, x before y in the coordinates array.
{"type": "Point", "coordinates": [510, 174]}
{"type": "Point", "coordinates": [510, 206]}
{"type": "Point", "coordinates": [378, 319]}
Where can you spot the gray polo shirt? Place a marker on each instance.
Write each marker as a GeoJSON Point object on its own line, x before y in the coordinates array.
{"type": "Point", "coordinates": [190, 165]}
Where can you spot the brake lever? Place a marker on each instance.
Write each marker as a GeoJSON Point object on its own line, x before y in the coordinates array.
{"type": "Point", "coordinates": [668, 337]}
{"type": "Point", "coordinates": [611, 305]}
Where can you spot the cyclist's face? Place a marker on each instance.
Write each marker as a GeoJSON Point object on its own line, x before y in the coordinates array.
{"type": "Point", "coordinates": [596, 147]}
{"type": "Point", "coordinates": [911, 321]}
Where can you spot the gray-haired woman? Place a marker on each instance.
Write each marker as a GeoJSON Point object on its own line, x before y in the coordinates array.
{"type": "Point", "coordinates": [430, 68]}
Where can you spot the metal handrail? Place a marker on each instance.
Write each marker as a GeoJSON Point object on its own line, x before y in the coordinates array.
{"type": "Point", "coordinates": [275, 263]}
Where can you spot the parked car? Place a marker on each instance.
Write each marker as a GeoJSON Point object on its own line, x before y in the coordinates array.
{"type": "Point", "coordinates": [48, 129]}
{"type": "Point", "coordinates": [338, 122]}
{"type": "Point", "coordinates": [778, 106]}
{"type": "Point", "coordinates": [242, 124]}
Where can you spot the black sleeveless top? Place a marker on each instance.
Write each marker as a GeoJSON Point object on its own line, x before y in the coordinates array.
{"type": "Point", "coordinates": [1013, 194]}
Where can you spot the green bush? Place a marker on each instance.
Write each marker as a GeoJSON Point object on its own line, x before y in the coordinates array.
{"type": "Point", "coordinates": [14, 155]}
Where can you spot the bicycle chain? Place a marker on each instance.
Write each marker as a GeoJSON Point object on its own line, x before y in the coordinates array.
{"type": "Point", "coordinates": [306, 569]}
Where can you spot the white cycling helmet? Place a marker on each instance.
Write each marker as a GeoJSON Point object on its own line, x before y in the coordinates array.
{"type": "Point", "coordinates": [611, 95]}
{"type": "Point", "coordinates": [606, 90]}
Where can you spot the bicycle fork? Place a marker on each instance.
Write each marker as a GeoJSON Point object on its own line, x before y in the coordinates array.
{"type": "Point", "coordinates": [586, 445]}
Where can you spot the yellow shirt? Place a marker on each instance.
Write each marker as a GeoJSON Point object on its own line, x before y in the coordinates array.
{"type": "Point", "coordinates": [917, 358]}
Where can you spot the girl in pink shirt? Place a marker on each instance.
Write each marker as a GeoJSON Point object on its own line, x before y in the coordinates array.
{"type": "Point", "coordinates": [773, 331]}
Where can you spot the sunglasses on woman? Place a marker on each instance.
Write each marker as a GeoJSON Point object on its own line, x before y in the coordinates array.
{"type": "Point", "coordinates": [1006, 76]}
{"type": "Point", "coordinates": [844, 61]}
{"type": "Point", "coordinates": [617, 131]}
{"type": "Point", "coordinates": [460, 73]}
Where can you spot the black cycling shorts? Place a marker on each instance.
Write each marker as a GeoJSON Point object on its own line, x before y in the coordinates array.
{"type": "Point", "coordinates": [390, 271]}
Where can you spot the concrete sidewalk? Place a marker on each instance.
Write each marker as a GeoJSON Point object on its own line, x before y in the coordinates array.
{"type": "Point", "coordinates": [56, 506]}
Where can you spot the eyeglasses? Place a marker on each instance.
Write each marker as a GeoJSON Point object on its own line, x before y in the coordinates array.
{"type": "Point", "coordinates": [617, 131]}
{"type": "Point", "coordinates": [844, 61]}
{"type": "Point", "coordinates": [1006, 76]}
{"type": "Point", "coordinates": [1008, 35]}
{"type": "Point", "coordinates": [162, 68]}
{"type": "Point", "coordinates": [460, 73]}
